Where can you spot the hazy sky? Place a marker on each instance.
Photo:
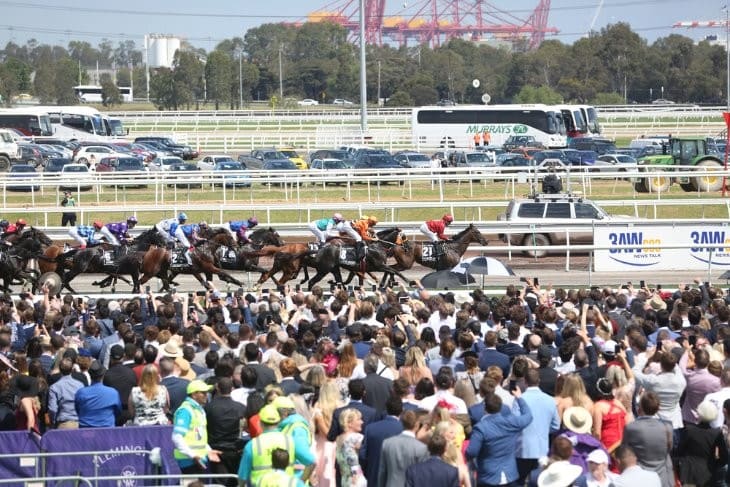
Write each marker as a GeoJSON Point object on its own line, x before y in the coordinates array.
{"type": "Point", "coordinates": [206, 23]}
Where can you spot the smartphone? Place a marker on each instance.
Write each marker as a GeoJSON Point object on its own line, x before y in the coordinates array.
{"type": "Point", "coordinates": [79, 301]}
{"type": "Point", "coordinates": [240, 291]}
{"type": "Point", "coordinates": [200, 293]}
{"type": "Point", "coordinates": [693, 340]}
{"type": "Point", "coordinates": [350, 289]}
{"type": "Point", "coordinates": [403, 300]}
{"type": "Point", "coordinates": [190, 295]}
{"type": "Point", "coordinates": [357, 288]}
{"type": "Point", "coordinates": [374, 288]}
{"type": "Point", "coordinates": [280, 289]}
{"type": "Point", "coordinates": [616, 348]}
{"type": "Point", "coordinates": [523, 279]}
{"type": "Point", "coordinates": [265, 291]}
{"type": "Point", "coordinates": [535, 281]}
{"type": "Point", "coordinates": [625, 286]}
{"type": "Point", "coordinates": [147, 289]}
{"type": "Point", "coordinates": [173, 289]}
{"type": "Point", "coordinates": [590, 306]}
{"type": "Point", "coordinates": [642, 284]}
{"type": "Point", "coordinates": [707, 283]}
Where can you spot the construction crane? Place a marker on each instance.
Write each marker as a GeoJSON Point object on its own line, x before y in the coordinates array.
{"type": "Point", "coordinates": [436, 21]}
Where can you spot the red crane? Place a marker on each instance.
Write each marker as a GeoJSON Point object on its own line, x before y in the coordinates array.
{"type": "Point", "coordinates": [436, 21]}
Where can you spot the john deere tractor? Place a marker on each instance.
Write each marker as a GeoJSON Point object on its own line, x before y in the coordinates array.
{"type": "Point", "coordinates": [678, 160]}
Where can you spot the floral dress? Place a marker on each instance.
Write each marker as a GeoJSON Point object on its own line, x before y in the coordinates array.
{"type": "Point", "coordinates": [347, 459]}
{"type": "Point", "coordinates": [149, 411]}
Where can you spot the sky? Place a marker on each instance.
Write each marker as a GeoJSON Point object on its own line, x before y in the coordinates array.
{"type": "Point", "coordinates": [204, 24]}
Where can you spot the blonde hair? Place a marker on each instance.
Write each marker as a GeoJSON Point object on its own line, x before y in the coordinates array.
{"type": "Point", "coordinates": [387, 356]}
{"type": "Point", "coordinates": [149, 383]}
{"type": "Point", "coordinates": [451, 455]}
{"type": "Point", "coordinates": [574, 388]}
{"type": "Point", "coordinates": [415, 358]}
{"type": "Point", "coordinates": [617, 376]}
{"type": "Point", "coordinates": [316, 377]}
{"type": "Point", "coordinates": [348, 416]}
{"type": "Point", "coordinates": [329, 400]}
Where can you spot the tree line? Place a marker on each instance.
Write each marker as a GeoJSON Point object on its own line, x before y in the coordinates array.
{"type": "Point", "coordinates": [316, 60]}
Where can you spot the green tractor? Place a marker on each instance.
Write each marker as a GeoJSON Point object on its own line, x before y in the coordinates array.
{"type": "Point", "coordinates": [673, 165]}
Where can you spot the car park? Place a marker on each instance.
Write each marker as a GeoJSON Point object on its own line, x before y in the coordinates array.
{"type": "Point", "coordinates": [208, 163]}
{"type": "Point", "coordinates": [75, 177]}
{"type": "Point", "coordinates": [27, 173]}
{"type": "Point", "coordinates": [307, 102]}
{"type": "Point", "coordinates": [413, 159]}
{"type": "Point", "coordinates": [544, 209]}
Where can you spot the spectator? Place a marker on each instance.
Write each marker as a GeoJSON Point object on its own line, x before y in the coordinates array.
{"type": "Point", "coordinates": [375, 434]}
{"type": "Point", "coordinates": [97, 405]}
{"type": "Point", "coordinates": [224, 417]}
{"type": "Point", "coordinates": [399, 452]}
{"type": "Point", "coordinates": [368, 414]}
{"type": "Point", "coordinates": [632, 474]}
{"type": "Point", "coordinates": [434, 470]}
{"type": "Point", "coordinates": [149, 402]}
{"type": "Point", "coordinates": [190, 435]}
{"type": "Point", "coordinates": [348, 446]}
{"type": "Point", "coordinates": [68, 217]}
{"type": "Point", "coordinates": [703, 451]}
{"type": "Point", "coordinates": [61, 397]}
{"type": "Point", "coordinates": [121, 378]}
{"type": "Point", "coordinates": [377, 387]}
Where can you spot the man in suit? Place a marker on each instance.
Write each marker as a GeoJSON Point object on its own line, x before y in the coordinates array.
{"type": "Point", "coordinates": [548, 375]}
{"type": "Point", "coordinates": [177, 387]}
{"type": "Point", "coordinates": [493, 441]}
{"type": "Point", "coordinates": [650, 440]}
{"type": "Point", "coordinates": [512, 348]}
{"type": "Point", "coordinates": [121, 378]}
{"type": "Point", "coordinates": [631, 473]}
{"type": "Point", "coordinates": [375, 434]}
{"type": "Point", "coordinates": [490, 355]}
{"type": "Point", "coordinates": [400, 452]}
{"type": "Point", "coordinates": [377, 387]}
{"type": "Point", "coordinates": [356, 388]}
{"type": "Point", "coordinates": [264, 375]}
{"type": "Point", "coordinates": [433, 471]}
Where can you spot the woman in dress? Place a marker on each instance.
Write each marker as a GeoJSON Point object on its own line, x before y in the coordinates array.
{"type": "Point", "coordinates": [572, 393]}
{"type": "Point", "coordinates": [624, 385]}
{"type": "Point", "coordinates": [329, 400]}
{"type": "Point", "coordinates": [609, 417]}
{"type": "Point", "coordinates": [149, 402]}
{"type": "Point", "coordinates": [348, 445]}
{"type": "Point", "coordinates": [26, 414]}
{"type": "Point", "coordinates": [414, 368]}
{"type": "Point", "coordinates": [449, 430]}
{"type": "Point", "coordinates": [348, 368]}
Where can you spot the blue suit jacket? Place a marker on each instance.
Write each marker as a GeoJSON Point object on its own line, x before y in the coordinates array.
{"type": "Point", "coordinates": [493, 442]}
{"type": "Point", "coordinates": [375, 434]}
{"type": "Point", "coordinates": [490, 357]}
{"type": "Point", "coordinates": [512, 350]}
{"type": "Point", "coordinates": [433, 471]}
{"type": "Point", "coordinates": [369, 415]}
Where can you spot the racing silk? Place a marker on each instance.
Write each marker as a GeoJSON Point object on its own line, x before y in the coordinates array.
{"type": "Point", "coordinates": [362, 228]}
{"type": "Point", "coordinates": [120, 230]}
{"type": "Point", "coordinates": [88, 232]}
{"type": "Point", "coordinates": [438, 227]}
{"type": "Point", "coordinates": [237, 225]}
{"type": "Point", "coordinates": [191, 230]}
{"type": "Point", "coordinates": [325, 224]}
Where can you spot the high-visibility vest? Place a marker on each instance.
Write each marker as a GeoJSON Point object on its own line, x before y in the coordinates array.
{"type": "Point", "coordinates": [262, 446]}
{"type": "Point", "coordinates": [299, 423]}
{"type": "Point", "coordinates": [197, 436]}
{"type": "Point", "coordinates": [276, 478]}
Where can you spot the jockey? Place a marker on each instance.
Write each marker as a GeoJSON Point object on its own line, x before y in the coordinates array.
{"type": "Point", "coordinates": [192, 231]}
{"type": "Point", "coordinates": [16, 228]}
{"type": "Point", "coordinates": [86, 235]}
{"type": "Point", "coordinates": [360, 231]}
{"type": "Point", "coordinates": [323, 228]}
{"type": "Point", "coordinates": [238, 229]}
{"type": "Point", "coordinates": [167, 228]}
{"type": "Point", "coordinates": [120, 230]}
{"type": "Point", "coordinates": [434, 229]}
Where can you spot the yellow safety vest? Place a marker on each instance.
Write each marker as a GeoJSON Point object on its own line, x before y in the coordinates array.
{"type": "Point", "coordinates": [276, 478]}
{"type": "Point", "coordinates": [196, 437]}
{"type": "Point", "coordinates": [299, 423]}
{"type": "Point", "coordinates": [262, 446]}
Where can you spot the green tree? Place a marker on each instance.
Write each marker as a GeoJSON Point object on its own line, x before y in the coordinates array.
{"type": "Point", "coordinates": [188, 71]}
{"type": "Point", "coordinates": [608, 99]}
{"type": "Point", "coordinates": [540, 94]}
{"type": "Point", "coordinates": [14, 79]}
{"type": "Point", "coordinates": [162, 89]}
{"type": "Point", "coordinates": [66, 72]}
{"type": "Point", "coordinates": [110, 94]}
{"type": "Point", "coordinates": [44, 82]}
{"type": "Point", "coordinates": [400, 99]}
{"type": "Point", "coordinates": [219, 77]}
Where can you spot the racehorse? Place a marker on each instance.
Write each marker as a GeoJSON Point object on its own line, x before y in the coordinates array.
{"type": "Point", "coordinates": [157, 262]}
{"type": "Point", "coordinates": [242, 258]}
{"type": "Point", "coordinates": [423, 252]}
{"type": "Point", "coordinates": [21, 260]}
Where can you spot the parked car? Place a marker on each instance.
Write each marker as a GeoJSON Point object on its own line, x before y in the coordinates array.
{"type": "Point", "coordinates": [75, 177]}
{"type": "Point", "coordinates": [275, 165]}
{"type": "Point", "coordinates": [92, 154]}
{"type": "Point", "coordinates": [413, 159]}
{"type": "Point", "coordinates": [191, 180]}
{"type": "Point", "coordinates": [619, 160]}
{"type": "Point", "coordinates": [307, 102]}
{"type": "Point", "coordinates": [208, 163]}
{"type": "Point", "coordinates": [663, 101]}
{"type": "Point", "coordinates": [233, 174]}
{"type": "Point", "coordinates": [518, 141]}
{"type": "Point", "coordinates": [340, 154]}
{"type": "Point", "coordinates": [383, 163]}
{"type": "Point", "coordinates": [330, 168]}
{"type": "Point", "coordinates": [30, 155]}
{"type": "Point", "coordinates": [293, 156]}
{"type": "Point", "coordinates": [259, 157]}
{"type": "Point", "coordinates": [475, 160]}
{"type": "Point", "coordinates": [342, 101]}
{"type": "Point", "coordinates": [552, 209]}
{"type": "Point", "coordinates": [180, 150]}
{"type": "Point", "coordinates": [446, 103]}
{"type": "Point", "coordinates": [598, 144]}
{"type": "Point", "coordinates": [164, 163]}
{"type": "Point", "coordinates": [26, 172]}
{"type": "Point", "coordinates": [160, 150]}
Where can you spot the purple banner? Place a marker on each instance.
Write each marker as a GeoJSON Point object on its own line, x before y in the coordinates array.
{"type": "Point", "coordinates": [19, 443]}
{"type": "Point", "coordinates": [127, 461]}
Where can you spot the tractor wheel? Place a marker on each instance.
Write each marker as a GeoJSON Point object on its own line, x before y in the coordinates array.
{"type": "Point", "coordinates": [708, 183]}
{"type": "Point", "coordinates": [640, 187]}
{"type": "Point", "coordinates": [657, 182]}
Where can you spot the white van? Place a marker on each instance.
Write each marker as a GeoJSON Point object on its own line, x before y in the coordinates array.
{"type": "Point", "coordinates": [648, 142]}
{"type": "Point", "coordinates": [9, 150]}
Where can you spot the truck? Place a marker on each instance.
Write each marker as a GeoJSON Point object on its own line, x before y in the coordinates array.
{"type": "Point", "coordinates": [9, 149]}
{"type": "Point", "coordinates": [675, 164]}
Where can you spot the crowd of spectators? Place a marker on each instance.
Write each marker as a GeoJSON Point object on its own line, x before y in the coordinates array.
{"type": "Point", "coordinates": [534, 386]}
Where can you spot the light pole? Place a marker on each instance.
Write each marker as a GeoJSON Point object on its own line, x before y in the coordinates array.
{"type": "Point", "coordinates": [727, 53]}
{"type": "Point", "coordinates": [281, 80]}
{"type": "Point", "coordinates": [240, 79]}
{"type": "Point", "coordinates": [378, 101]}
{"type": "Point", "coordinates": [363, 75]}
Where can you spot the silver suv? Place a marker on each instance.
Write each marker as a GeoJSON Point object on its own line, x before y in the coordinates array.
{"type": "Point", "coordinates": [551, 208]}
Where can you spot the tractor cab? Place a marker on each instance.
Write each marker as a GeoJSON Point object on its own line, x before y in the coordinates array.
{"type": "Point", "coordinates": [684, 152]}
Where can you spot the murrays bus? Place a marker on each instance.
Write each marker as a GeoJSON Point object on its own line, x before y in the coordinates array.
{"type": "Point", "coordinates": [455, 126]}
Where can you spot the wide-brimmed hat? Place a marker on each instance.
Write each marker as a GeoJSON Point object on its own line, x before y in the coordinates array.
{"type": "Point", "coordinates": [657, 303]}
{"type": "Point", "coordinates": [171, 349]}
{"type": "Point", "coordinates": [578, 420]}
{"type": "Point", "coordinates": [566, 308]}
{"type": "Point", "coordinates": [186, 372]}
{"type": "Point", "coordinates": [559, 474]}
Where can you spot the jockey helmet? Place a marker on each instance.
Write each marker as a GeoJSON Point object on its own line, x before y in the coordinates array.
{"type": "Point", "coordinates": [338, 217]}
{"type": "Point", "coordinates": [132, 219]}
{"type": "Point", "coordinates": [253, 221]}
{"type": "Point", "coordinates": [447, 218]}
{"type": "Point", "coordinates": [372, 220]}
{"type": "Point", "coordinates": [21, 222]}
{"type": "Point", "coordinates": [98, 224]}
{"type": "Point", "coordinates": [182, 216]}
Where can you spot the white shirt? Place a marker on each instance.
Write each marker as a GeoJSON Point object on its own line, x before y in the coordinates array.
{"type": "Point", "coordinates": [718, 399]}
{"type": "Point", "coordinates": [458, 406]}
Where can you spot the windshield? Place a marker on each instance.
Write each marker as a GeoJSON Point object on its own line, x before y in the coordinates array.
{"type": "Point", "coordinates": [274, 155]}
{"type": "Point", "coordinates": [22, 168]}
{"type": "Point", "coordinates": [334, 165]}
{"type": "Point", "coordinates": [169, 161]}
{"type": "Point", "coordinates": [280, 165]}
{"type": "Point", "coordinates": [116, 128]}
{"type": "Point", "coordinates": [224, 159]}
{"type": "Point", "coordinates": [290, 153]}
{"type": "Point", "coordinates": [229, 166]}
{"type": "Point", "coordinates": [75, 169]}
{"type": "Point", "coordinates": [418, 158]}
{"type": "Point", "coordinates": [6, 137]}
{"type": "Point", "coordinates": [128, 163]}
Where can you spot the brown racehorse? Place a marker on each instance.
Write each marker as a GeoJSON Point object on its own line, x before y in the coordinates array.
{"type": "Point", "coordinates": [453, 249]}
{"type": "Point", "coordinates": [157, 263]}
